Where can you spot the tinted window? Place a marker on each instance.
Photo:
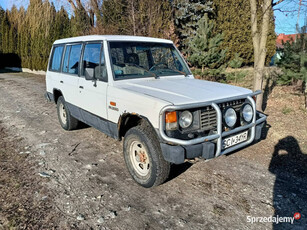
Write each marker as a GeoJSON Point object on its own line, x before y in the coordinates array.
{"type": "Point", "coordinates": [74, 58]}
{"type": "Point", "coordinates": [91, 56]}
{"type": "Point", "coordinates": [71, 59]}
{"type": "Point", "coordinates": [65, 63]}
{"type": "Point", "coordinates": [56, 58]}
{"type": "Point", "coordinates": [93, 61]}
{"type": "Point", "coordinates": [146, 59]}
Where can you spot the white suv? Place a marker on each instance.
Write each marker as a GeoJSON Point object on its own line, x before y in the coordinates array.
{"type": "Point", "coordinates": [141, 89]}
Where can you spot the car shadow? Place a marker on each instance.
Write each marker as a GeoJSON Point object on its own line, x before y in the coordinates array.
{"type": "Point", "coordinates": [82, 125]}
{"type": "Point", "coordinates": [289, 165]}
{"type": "Point", "coordinates": [177, 170]}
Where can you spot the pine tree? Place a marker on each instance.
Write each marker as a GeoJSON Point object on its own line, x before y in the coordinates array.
{"type": "Point", "coordinates": [114, 19]}
{"type": "Point", "coordinates": [26, 36]}
{"type": "Point", "coordinates": [2, 13]}
{"type": "Point", "coordinates": [24, 40]}
{"type": "Point", "coordinates": [204, 47]}
{"type": "Point", "coordinates": [61, 25]}
{"type": "Point", "coordinates": [294, 60]}
{"type": "Point", "coordinates": [5, 33]}
{"type": "Point", "coordinates": [187, 14]}
{"type": "Point", "coordinates": [81, 20]}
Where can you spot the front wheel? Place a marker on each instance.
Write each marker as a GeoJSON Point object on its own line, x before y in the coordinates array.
{"type": "Point", "coordinates": [143, 157]}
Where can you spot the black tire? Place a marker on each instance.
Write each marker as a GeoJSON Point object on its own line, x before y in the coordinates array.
{"type": "Point", "coordinates": [68, 122]}
{"type": "Point", "coordinates": [159, 169]}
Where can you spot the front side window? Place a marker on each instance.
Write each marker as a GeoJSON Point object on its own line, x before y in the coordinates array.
{"type": "Point", "coordinates": [56, 60]}
{"type": "Point", "coordinates": [93, 61]}
{"type": "Point", "coordinates": [145, 59]}
{"type": "Point", "coordinates": [71, 59]}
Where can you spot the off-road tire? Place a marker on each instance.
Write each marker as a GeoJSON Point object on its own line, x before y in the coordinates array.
{"type": "Point", "coordinates": [71, 122]}
{"type": "Point", "coordinates": [159, 168]}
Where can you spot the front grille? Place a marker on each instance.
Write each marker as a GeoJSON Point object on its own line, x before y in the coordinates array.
{"type": "Point", "coordinates": [236, 104]}
{"type": "Point", "coordinates": [208, 118]}
{"type": "Point", "coordinates": [208, 114]}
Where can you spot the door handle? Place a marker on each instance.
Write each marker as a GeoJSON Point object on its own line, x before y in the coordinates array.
{"type": "Point", "coordinates": [81, 87]}
{"type": "Point", "coordinates": [61, 82]}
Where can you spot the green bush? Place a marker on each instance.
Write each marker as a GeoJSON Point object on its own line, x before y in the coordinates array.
{"type": "Point", "coordinates": [235, 76]}
{"type": "Point", "coordinates": [220, 75]}
{"type": "Point", "coordinates": [286, 110]}
{"type": "Point", "coordinates": [236, 62]}
{"type": "Point", "coordinates": [294, 61]}
{"type": "Point", "coordinates": [217, 75]}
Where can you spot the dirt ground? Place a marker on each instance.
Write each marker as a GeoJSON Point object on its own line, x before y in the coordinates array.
{"type": "Point", "coordinates": [54, 179]}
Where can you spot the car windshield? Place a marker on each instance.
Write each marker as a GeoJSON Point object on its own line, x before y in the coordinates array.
{"type": "Point", "coordinates": [146, 59]}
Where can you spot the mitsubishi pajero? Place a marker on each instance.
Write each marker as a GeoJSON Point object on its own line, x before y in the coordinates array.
{"type": "Point", "coordinates": [142, 90]}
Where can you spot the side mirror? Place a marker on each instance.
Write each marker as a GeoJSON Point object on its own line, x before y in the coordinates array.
{"type": "Point", "coordinates": [89, 74]}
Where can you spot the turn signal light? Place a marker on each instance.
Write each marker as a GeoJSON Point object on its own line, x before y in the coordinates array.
{"type": "Point", "coordinates": [170, 117]}
{"type": "Point", "coordinates": [171, 120]}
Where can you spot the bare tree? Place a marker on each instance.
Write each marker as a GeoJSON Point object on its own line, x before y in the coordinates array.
{"type": "Point", "coordinates": [259, 35]}
{"type": "Point", "coordinates": [96, 6]}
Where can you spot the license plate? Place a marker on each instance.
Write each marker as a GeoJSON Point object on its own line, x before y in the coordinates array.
{"type": "Point", "coordinates": [234, 140]}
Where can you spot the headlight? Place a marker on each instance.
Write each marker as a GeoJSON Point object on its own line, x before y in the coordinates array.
{"type": "Point", "coordinates": [185, 119]}
{"type": "Point", "coordinates": [247, 113]}
{"type": "Point", "coordinates": [230, 117]}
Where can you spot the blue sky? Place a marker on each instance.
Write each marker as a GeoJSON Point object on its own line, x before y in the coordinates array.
{"type": "Point", "coordinates": [285, 14]}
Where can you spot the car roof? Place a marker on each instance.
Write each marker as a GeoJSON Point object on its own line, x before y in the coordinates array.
{"type": "Point", "coordinates": [111, 38]}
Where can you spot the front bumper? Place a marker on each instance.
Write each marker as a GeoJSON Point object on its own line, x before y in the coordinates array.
{"type": "Point", "coordinates": [178, 153]}
{"type": "Point", "coordinates": [176, 150]}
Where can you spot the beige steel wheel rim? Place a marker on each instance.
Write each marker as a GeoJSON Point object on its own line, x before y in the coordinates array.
{"type": "Point", "coordinates": [139, 158]}
{"type": "Point", "coordinates": [63, 114]}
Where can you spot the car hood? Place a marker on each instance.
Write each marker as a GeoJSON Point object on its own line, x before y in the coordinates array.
{"type": "Point", "coordinates": [182, 90]}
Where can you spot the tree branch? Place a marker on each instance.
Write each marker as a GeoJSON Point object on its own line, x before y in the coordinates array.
{"type": "Point", "coordinates": [97, 11]}
{"type": "Point", "coordinates": [285, 11]}
{"type": "Point", "coordinates": [276, 3]}
{"type": "Point", "coordinates": [72, 4]}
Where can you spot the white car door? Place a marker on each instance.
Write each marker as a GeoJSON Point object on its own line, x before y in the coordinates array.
{"type": "Point", "coordinates": [93, 93]}
{"type": "Point", "coordinates": [69, 80]}
{"type": "Point", "coordinates": [54, 77]}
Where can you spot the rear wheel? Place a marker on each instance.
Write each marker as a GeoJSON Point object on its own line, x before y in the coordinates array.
{"type": "Point", "coordinates": [67, 121]}
{"type": "Point", "coordinates": [143, 157]}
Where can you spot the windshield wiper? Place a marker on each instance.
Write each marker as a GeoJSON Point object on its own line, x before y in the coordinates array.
{"type": "Point", "coordinates": [175, 70]}
{"type": "Point", "coordinates": [154, 74]}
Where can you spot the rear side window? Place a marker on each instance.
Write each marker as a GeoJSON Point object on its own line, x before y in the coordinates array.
{"type": "Point", "coordinates": [71, 59]}
{"type": "Point", "coordinates": [56, 60]}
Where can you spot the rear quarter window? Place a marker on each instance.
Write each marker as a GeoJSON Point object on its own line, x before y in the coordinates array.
{"type": "Point", "coordinates": [56, 58]}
